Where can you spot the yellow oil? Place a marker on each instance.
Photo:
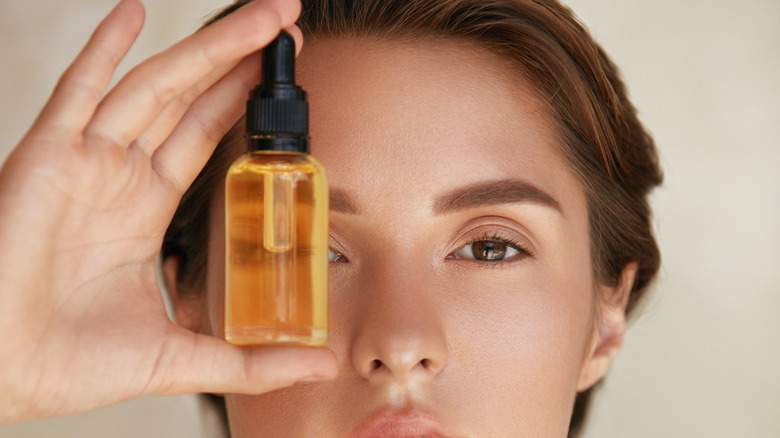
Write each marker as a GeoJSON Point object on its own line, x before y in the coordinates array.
{"type": "Point", "coordinates": [276, 286]}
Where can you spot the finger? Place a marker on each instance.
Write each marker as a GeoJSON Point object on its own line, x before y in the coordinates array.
{"type": "Point", "coordinates": [189, 146]}
{"type": "Point", "coordinates": [201, 363]}
{"type": "Point", "coordinates": [82, 85]}
{"type": "Point", "coordinates": [169, 118]}
{"type": "Point", "coordinates": [129, 109]}
{"type": "Point", "coordinates": [171, 115]}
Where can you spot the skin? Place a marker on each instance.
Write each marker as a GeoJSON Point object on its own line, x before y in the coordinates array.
{"type": "Point", "coordinates": [89, 191]}
{"type": "Point", "coordinates": [487, 348]}
{"type": "Point", "coordinates": [85, 199]}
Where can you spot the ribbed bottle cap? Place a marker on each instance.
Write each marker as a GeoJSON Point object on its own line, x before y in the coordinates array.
{"type": "Point", "coordinates": [277, 116]}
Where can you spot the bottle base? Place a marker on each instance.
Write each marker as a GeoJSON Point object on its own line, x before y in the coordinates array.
{"type": "Point", "coordinates": [265, 335]}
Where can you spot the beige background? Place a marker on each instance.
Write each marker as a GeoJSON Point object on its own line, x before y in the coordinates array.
{"type": "Point", "coordinates": [704, 358]}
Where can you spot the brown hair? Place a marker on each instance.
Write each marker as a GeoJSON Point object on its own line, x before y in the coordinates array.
{"type": "Point", "coordinates": [600, 134]}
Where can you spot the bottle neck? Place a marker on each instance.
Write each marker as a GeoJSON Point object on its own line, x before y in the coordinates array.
{"type": "Point", "coordinates": [278, 142]}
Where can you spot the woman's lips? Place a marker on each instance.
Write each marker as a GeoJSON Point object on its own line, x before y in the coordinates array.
{"type": "Point", "coordinates": [394, 424]}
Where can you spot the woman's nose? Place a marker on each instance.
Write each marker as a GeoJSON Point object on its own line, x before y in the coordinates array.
{"type": "Point", "coordinates": [399, 335]}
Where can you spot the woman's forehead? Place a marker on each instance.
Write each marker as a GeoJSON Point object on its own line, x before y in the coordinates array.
{"type": "Point", "coordinates": [415, 120]}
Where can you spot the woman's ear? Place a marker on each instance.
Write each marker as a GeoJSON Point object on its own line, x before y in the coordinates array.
{"type": "Point", "coordinates": [188, 308]}
{"type": "Point", "coordinates": [609, 328]}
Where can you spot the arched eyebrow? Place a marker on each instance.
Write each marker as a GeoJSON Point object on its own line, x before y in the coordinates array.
{"type": "Point", "coordinates": [492, 193]}
{"type": "Point", "coordinates": [341, 202]}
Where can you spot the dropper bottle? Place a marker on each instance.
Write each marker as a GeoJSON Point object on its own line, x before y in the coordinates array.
{"type": "Point", "coordinates": [276, 207]}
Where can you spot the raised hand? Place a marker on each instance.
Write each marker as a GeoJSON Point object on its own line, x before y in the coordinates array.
{"type": "Point", "coordinates": [85, 200]}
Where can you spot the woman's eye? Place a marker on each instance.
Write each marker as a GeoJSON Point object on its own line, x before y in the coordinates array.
{"type": "Point", "coordinates": [334, 256]}
{"type": "Point", "coordinates": [487, 251]}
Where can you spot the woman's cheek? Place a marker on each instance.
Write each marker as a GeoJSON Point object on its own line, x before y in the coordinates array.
{"type": "Point", "coordinates": [523, 332]}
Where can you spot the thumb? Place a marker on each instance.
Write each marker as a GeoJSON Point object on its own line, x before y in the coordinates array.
{"type": "Point", "coordinates": [193, 363]}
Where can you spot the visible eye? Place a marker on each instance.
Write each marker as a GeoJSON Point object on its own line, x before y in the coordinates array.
{"type": "Point", "coordinates": [492, 249]}
{"type": "Point", "coordinates": [334, 256]}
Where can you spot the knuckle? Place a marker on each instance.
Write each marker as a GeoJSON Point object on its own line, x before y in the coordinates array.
{"type": "Point", "coordinates": [160, 92]}
{"type": "Point", "coordinates": [74, 82]}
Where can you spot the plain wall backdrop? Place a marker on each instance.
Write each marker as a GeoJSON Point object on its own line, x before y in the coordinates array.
{"type": "Point", "coordinates": [703, 358]}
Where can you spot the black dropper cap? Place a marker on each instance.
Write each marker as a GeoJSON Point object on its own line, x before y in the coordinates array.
{"type": "Point", "coordinates": [277, 113]}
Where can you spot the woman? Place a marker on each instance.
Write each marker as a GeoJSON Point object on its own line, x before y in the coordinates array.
{"type": "Point", "coordinates": [489, 226]}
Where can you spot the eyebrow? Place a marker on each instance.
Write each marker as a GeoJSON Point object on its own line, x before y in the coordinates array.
{"type": "Point", "coordinates": [341, 202]}
{"type": "Point", "coordinates": [492, 193]}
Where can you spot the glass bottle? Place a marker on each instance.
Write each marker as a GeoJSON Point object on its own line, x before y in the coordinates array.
{"type": "Point", "coordinates": [276, 207]}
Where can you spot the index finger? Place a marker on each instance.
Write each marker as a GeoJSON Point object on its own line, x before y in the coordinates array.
{"type": "Point", "coordinates": [141, 96]}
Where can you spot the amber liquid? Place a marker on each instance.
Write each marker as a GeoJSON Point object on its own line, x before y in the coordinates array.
{"type": "Point", "coordinates": [276, 289]}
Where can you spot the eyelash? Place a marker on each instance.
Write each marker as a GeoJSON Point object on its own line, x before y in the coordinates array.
{"type": "Point", "coordinates": [523, 251]}
{"type": "Point", "coordinates": [336, 257]}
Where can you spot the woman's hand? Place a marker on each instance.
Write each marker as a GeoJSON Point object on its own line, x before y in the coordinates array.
{"type": "Point", "coordinates": [85, 200]}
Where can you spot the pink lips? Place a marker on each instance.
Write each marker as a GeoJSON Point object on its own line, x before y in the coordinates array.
{"type": "Point", "coordinates": [394, 424]}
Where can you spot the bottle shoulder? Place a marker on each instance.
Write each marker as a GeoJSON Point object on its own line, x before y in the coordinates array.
{"type": "Point", "coordinates": [272, 161]}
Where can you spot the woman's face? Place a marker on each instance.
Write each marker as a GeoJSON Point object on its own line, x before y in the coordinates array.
{"type": "Point", "coordinates": [462, 300]}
